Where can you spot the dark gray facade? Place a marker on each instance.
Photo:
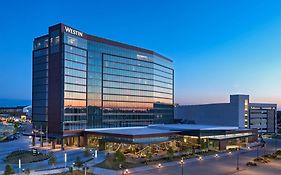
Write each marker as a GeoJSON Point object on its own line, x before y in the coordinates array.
{"type": "Point", "coordinates": [238, 112]}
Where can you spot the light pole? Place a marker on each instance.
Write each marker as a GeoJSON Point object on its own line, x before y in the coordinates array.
{"type": "Point", "coordinates": [181, 163]}
{"type": "Point", "coordinates": [85, 166]}
{"type": "Point", "coordinates": [19, 166]}
{"type": "Point", "coordinates": [237, 167]}
{"type": "Point", "coordinates": [257, 151]}
{"type": "Point", "coordinates": [120, 166]}
{"type": "Point", "coordinates": [65, 160]}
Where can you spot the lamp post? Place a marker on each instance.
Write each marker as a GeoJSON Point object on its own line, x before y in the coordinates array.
{"type": "Point", "coordinates": [120, 166]}
{"type": "Point", "coordinates": [257, 151]}
{"type": "Point", "coordinates": [181, 163]}
{"type": "Point", "coordinates": [19, 166]}
{"type": "Point", "coordinates": [65, 160]}
{"type": "Point", "coordinates": [238, 154]}
{"type": "Point", "coordinates": [85, 166]}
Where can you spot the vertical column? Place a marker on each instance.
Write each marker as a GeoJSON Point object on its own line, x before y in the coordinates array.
{"type": "Point", "coordinates": [79, 144]}
{"type": "Point", "coordinates": [33, 140]}
{"type": "Point", "coordinates": [54, 144]}
{"type": "Point", "coordinates": [41, 142]}
{"type": "Point", "coordinates": [62, 144]}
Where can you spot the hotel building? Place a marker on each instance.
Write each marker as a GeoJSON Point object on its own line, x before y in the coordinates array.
{"type": "Point", "coordinates": [81, 81]}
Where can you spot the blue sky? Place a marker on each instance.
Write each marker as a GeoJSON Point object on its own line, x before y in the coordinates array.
{"type": "Point", "coordinates": [219, 47]}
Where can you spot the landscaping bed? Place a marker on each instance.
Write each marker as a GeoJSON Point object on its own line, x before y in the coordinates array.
{"type": "Point", "coordinates": [111, 163]}
{"type": "Point", "coordinates": [25, 157]}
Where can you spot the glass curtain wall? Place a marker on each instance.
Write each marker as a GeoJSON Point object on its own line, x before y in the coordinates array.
{"type": "Point", "coordinates": [75, 82]}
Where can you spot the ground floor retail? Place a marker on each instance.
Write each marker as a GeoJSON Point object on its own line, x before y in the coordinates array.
{"type": "Point", "coordinates": [158, 138]}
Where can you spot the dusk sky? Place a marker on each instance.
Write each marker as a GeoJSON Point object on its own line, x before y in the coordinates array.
{"type": "Point", "coordinates": [219, 47]}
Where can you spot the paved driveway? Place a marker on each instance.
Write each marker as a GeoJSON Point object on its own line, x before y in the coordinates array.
{"type": "Point", "coordinates": [224, 165]}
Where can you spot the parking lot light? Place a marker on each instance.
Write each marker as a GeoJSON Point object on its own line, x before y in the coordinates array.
{"type": "Point", "coordinates": [159, 165]}
{"type": "Point", "coordinates": [181, 163]}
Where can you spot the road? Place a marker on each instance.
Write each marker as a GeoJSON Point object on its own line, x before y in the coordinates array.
{"type": "Point", "coordinates": [224, 165]}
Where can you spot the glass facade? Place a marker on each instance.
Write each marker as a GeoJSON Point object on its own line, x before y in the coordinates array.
{"type": "Point", "coordinates": [105, 84]}
{"type": "Point", "coordinates": [40, 82]}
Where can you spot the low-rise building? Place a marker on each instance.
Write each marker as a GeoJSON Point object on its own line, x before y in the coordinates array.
{"type": "Point", "coordinates": [238, 112]}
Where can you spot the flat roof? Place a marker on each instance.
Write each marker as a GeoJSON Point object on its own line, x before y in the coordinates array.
{"type": "Point", "coordinates": [131, 131]}
{"type": "Point", "coordinates": [183, 127]}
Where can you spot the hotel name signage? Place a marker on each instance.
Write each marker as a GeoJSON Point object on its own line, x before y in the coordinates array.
{"type": "Point", "coordinates": [73, 31]}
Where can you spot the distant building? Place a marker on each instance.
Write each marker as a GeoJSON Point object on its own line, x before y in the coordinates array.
{"type": "Point", "coordinates": [239, 112]}
{"type": "Point", "coordinates": [28, 111]}
{"type": "Point", "coordinates": [13, 111]}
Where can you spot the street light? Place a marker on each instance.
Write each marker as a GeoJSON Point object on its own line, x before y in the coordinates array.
{"type": "Point", "coordinates": [216, 155]}
{"type": "Point", "coordinates": [65, 160]}
{"type": "Point", "coordinates": [237, 167]}
{"type": "Point", "coordinates": [126, 171]}
{"type": "Point", "coordinates": [200, 158]}
{"type": "Point", "coordinates": [120, 166]}
{"type": "Point", "coordinates": [85, 166]}
{"type": "Point", "coordinates": [19, 165]}
{"type": "Point", "coordinates": [181, 163]}
{"type": "Point", "coordinates": [159, 165]}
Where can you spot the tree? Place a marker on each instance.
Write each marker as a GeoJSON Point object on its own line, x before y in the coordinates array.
{"type": "Point", "coordinates": [52, 160]}
{"type": "Point", "coordinates": [170, 152]}
{"type": "Point", "coordinates": [78, 163]}
{"type": "Point", "coordinates": [120, 157]}
{"type": "Point", "coordinates": [9, 170]}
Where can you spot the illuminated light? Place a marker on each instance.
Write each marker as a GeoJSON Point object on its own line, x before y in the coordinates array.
{"type": "Point", "coordinates": [126, 171]}
{"type": "Point", "coordinates": [159, 165]}
{"type": "Point", "coordinates": [200, 158]}
{"type": "Point", "coordinates": [216, 155]}
{"type": "Point", "coordinates": [182, 162]}
{"type": "Point", "coordinates": [229, 152]}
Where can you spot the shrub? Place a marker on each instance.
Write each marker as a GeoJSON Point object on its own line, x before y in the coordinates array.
{"type": "Point", "coordinates": [278, 152]}
{"type": "Point", "coordinates": [170, 152]}
{"type": "Point", "coordinates": [251, 164]}
{"type": "Point", "coordinates": [52, 160]}
{"type": "Point", "coordinates": [87, 152]}
{"type": "Point", "coordinates": [261, 160]}
{"type": "Point", "coordinates": [78, 163]}
{"type": "Point", "coordinates": [119, 157]}
{"type": "Point", "coordinates": [9, 170]}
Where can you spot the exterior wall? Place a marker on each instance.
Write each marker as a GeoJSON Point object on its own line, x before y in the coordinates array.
{"type": "Point", "coordinates": [240, 104]}
{"type": "Point", "coordinates": [239, 112]}
{"type": "Point", "coordinates": [263, 117]}
{"type": "Point", "coordinates": [210, 114]}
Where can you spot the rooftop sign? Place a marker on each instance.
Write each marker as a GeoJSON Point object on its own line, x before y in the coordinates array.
{"type": "Point", "coordinates": [73, 31]}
